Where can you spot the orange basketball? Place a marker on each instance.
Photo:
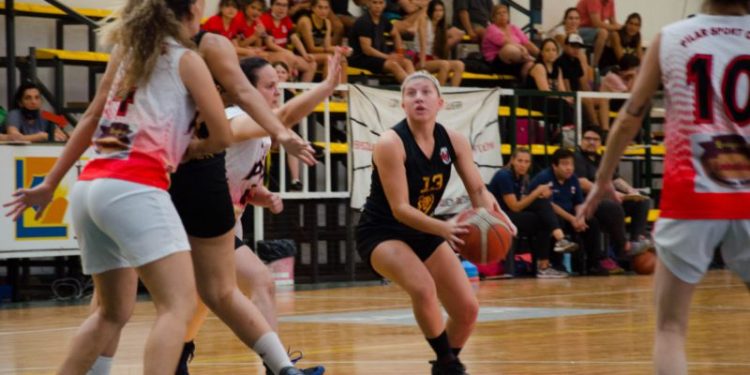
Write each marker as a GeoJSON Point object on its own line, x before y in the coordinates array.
{"type": "Point", "coordinates": [644, 263]}
{"type": "Point", "coordinates": [489, 237]}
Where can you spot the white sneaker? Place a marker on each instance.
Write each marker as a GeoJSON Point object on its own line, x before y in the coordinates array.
{"type": "Point", "coordinates": [565, 246]}
{"type": "Point", "coordinates": [550, 273]}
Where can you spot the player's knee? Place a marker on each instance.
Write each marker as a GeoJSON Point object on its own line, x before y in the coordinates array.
{"type": "Point", "coordinates": [423, 294]}
{"type": "Point", "coordinates": [118, 315]}
{"type": "Point", "coordinates": [215, 296]}
{"type": "Point", "coordinates": [469, 312]}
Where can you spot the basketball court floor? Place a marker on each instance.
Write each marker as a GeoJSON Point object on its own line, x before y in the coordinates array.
{"type": "Point", "coordinates": [526, 326]}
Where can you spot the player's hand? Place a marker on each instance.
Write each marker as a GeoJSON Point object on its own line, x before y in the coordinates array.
{"type": "Point", "coordinates": [37, 197]}
{"type": "Point", "coordinates": [296, 146]}
{"type": "Point", "coordinates": [334, 67]}
{"type": "Point", "coordinates": [264, 198]}
{"type": "Point", "coordinates": [451, 231]}
{"type": "Point", "coordinates": [601, 190]}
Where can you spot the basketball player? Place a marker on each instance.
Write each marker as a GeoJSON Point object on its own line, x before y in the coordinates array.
{"type": "Point", "coordinates": [139, 121]}
{"type": "Point", "coordinates": [245, 165]}
{"type": "Point", "coordinates": [399, 237]}
{"type": "Point", "coordinates": [704, 64]}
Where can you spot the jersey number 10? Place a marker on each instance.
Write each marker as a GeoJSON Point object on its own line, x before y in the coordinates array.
{"type": "Point", "coordinates": [699, 70]}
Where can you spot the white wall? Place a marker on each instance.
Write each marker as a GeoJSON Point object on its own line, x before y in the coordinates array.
{"type": "Point", "coordinates": [40, 32]}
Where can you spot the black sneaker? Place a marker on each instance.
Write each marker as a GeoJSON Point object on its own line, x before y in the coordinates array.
{"type": "Point", "coordinates": [296, 185]}
{"type": "Point", "coordinates": [317, 370]}
{"type": "Point", "coordinates": [454, 367]}
{"type": "Point", "coordinates": [188, 351]}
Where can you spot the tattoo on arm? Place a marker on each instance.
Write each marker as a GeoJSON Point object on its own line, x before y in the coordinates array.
{"type": "Point", "coordinates": [632, 110]}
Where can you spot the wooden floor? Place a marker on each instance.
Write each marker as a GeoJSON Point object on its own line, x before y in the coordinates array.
{"type": "Point", "coordinates": [573, 326]}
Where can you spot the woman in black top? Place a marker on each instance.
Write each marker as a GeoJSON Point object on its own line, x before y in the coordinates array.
{"type": "Point", "coordinates": [545, 75]}
{"type": "Point", "coordinates": [399, 237]}
{"type": "Point", "coordinates": [314, 29]}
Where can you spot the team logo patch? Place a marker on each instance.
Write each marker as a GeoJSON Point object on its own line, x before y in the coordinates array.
{"type": "Point", "coordinates": [726, 159]}
{"type": "Point", "coordinates": [445, 156]}
{"type": "Point", "coordinates": [30, 171]}
{"type": "Point", "coordinates": [425, 202]}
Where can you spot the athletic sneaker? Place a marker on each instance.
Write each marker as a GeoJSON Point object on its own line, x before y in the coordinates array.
{"type": "Point", "coordinates": [188, 351]}
{"type": "Point", "coordinates": [565, 246]}
{"type": "Point", "coordinates": [611, 266]}
{"type": "Point", "coordinates": [291, 371]}
{"type": "Point", "coordinates": [454, 367]}
{"type": "Point", "coordinates": [295, 357]}
{"type": "Point", "coordinates": [550, 273]}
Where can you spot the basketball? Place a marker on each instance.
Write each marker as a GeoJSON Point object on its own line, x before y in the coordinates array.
{"type": "Point", "coordinates": [489, 237]}
{"type": "Point", "coordinates": [644, 263]}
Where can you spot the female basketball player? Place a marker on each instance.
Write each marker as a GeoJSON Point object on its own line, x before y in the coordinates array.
{"type": "Point", "coordinates": [245, 166]}
{"type": "Point", "coordinates": [706, 196]}
{"type": "Point", "coordinates": [122, 213]}
{"type": "Point", "coordinates": [399, 237]}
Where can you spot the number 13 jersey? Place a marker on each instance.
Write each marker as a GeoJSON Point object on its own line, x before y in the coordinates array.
{"type": "Point", "coordinates": [705, 65]}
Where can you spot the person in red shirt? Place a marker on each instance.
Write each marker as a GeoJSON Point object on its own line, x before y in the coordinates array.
{"type": "Point", "coordinates": [280, 28]}
{"type": "Point", "coordinates": [597, 20]}
{"type": "Point", "coordinates": [226, 22]}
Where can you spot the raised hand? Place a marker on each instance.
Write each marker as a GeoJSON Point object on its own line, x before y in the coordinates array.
{"type": "Point", "coordinates": [296, 146]}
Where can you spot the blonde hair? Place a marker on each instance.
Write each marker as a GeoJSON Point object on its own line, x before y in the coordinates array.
{"type": "Point", "coordinates": [421, 74]}
{"type": "Point", "coordinates": [139, 28]}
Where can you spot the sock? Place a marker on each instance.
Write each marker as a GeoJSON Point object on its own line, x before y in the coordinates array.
{"type": "Point", "coordinates": [272, 353]}
{"type": "Point", "coordinates": [442, 347]}
{"type": "Point", "coordinates": [458, 350]}
{"type": "Point", "coordinates": [101, 366]}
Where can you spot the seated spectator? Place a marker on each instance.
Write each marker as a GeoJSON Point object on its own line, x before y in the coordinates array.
{"type": "Point", "coordinates": [472, 16]}
{"type": "Point", "coordinates": [530, 211]}
{"type": "Point", "coordinates": [279, 27]}
{"type": "Point", "coordinates": [369, 48]}
{"type": "Point", "coordinates": [252, 34]}
{"type": "Point", "coordinates": [226, 22]}
{"type": "Point", "coordinates": [545, 75]}
{"type": "Point", "coordinates": [566, 197]}
{"type": "Point", "coordinates": [432, 48]}
{"type": "Point", "coordinates": [627, 40]}
{"type": "Point", "coordinates": [405, 14]}
{"type": "Point", "coordinates": [26, 123]}
{"type": "Point", "coordinates": [597, 21]}
{"type": "Point", "coordinates": [506, 47]}
{"type": "Point", "coordinates": [618, 79]}
{"type": "Point", "coordinates": [574, 76]}
{"type": "Point", "coordinates": [569, 25]}
{"type": "Point", "coordinates": [342, 20]}
{"type": "Point", "coordinates": [609, 213]}
{"type": "Point", "coordinates": [315, 31]}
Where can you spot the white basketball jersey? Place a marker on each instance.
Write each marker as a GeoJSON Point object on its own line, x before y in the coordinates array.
{"type": "Point", "coordinates": [705, 65]}
{"type": "Point", "coordinates": [245, 162]}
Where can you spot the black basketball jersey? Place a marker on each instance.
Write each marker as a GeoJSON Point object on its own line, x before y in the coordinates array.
{"type": "Point", "coordinates": [426, 177]}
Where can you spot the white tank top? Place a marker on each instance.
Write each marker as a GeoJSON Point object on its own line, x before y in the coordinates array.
{"type": "Point", "coordinates": [245, 162]}
{"type": "Point", "coordinates": [705, 65]}
{"type": "Point", "coordinates": [143, 137]}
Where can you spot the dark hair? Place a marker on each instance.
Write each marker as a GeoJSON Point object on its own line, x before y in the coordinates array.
{"type": "Point", "coordinates": [18, 96]}
{"type": "Point", "coordinates": [628, 61]}
{"type": "Point", "coordinates": [627, 40]}
{"type": "Point", "coordinates": [560, 154]}
{"type": "Point", "coordinates": [565, 15]}
{"type": "Point", "coordinates": [440, 44]}
{"type": "Point", "coordinates": [594, 129]}
{"type": "Point", "coordinates": [541, 47]}
{"type": "Point", "coordinates": [250, 67]}
{"type": "Point", "coordinates": [313, 3]}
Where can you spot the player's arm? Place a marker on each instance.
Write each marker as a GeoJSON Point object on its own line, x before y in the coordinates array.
{"type": "Point", "coordinates": [389, 156]}
{"type": "Point", "coordinates": [478, 193]}
{"type": "Point", "coordinates": [223, 64]}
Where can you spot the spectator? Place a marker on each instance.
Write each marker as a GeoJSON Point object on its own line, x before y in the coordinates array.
{"type": "Point", "coordinates": [569, 25]}
{"type": "Point", "coordinates": [253, 33]}
{"type": "Point", "coordinates": [25, 122]}
{"type": "Point", "coordinates": [227, 21]}
{"type": "Point", "coordinates": [530, 211]}
{"type": "Point", "coordinates": [619, 79]}
{"type": "Point", "coordinates": [545, 75]}
{"type": "Point", "coordinates": [627, 40]}
{"type": "Point", "coordinates": [279, 27]}
{"type": "Point", "coordinates": [573, 72]}
{"type": "Point", "coordinates": [597, 21]}
{"type": "Point", "coordinates": [505, 46]}
{"type": "Point", "coordinates": [315, 31]}
{"type": "Point", "coordinates": [566, 197]}
{"type": "Point", "coordinates": [343, 20]}
{"type": "Point", "coordinates": [635, 205]}
{"type": "Point", "coordinates": [406, 14]}
{"type": "Point", "coordinates": [368, 44]}
{"type": "Point", "coordinates": [472, 16]}
{"type": "Point", "coordinates": [432, 46]}
{"type": "Point", "coordinates": [453, 35]}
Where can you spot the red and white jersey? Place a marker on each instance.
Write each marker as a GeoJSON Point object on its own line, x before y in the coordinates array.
{"type": "Point", "coordinates": [246, 163]}
{"type": "Point", "coordinates": [142, 138]}
{"type": "Point", "coordinates": [705, 65]}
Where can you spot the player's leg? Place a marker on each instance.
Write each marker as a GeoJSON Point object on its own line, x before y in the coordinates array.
{"type": "Point", "coordinates": [255, 280]}
{"type": "Point", "coordinates": [673, 298]}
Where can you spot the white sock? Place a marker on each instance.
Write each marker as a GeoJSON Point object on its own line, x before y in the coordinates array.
{"type": "Point", "coordinates": [270, 349]}
{"type": "Point", "coordinates": [101, 366]}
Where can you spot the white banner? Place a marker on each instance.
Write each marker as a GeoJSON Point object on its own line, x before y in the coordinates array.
{"type": "Point", "coordinates": [23, 167]}
{"type": "Point", "coordinates": [472, 113]}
